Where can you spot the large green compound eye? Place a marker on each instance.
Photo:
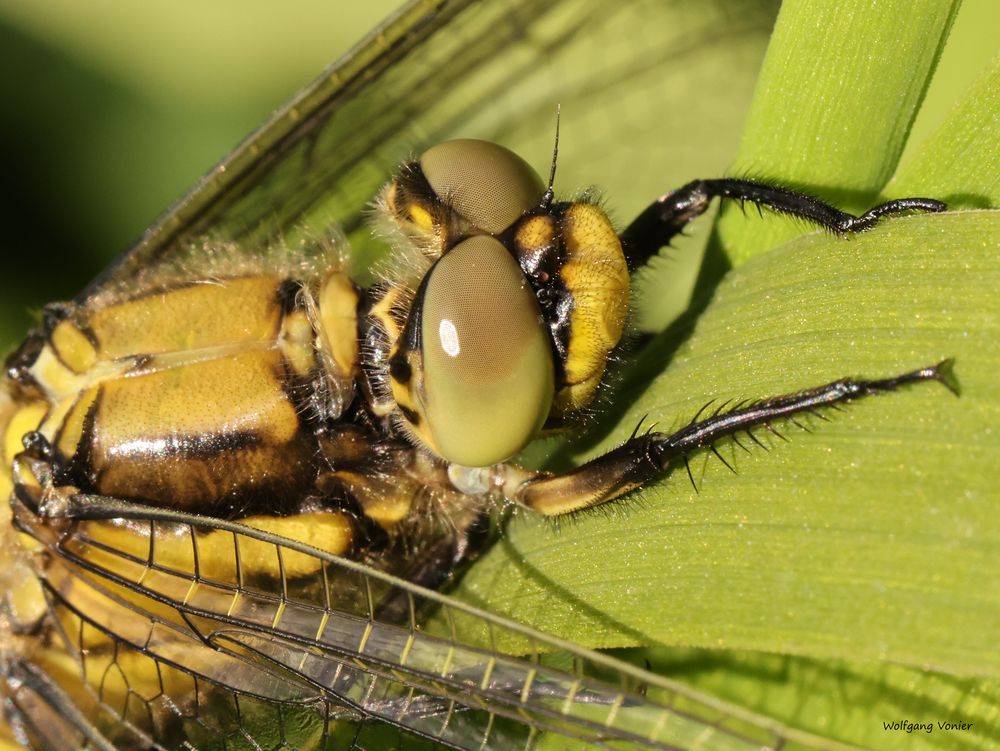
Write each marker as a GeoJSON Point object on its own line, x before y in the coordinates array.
{"type": "Point", "coordinates": [489, 185]}
{"type": "Point", "coordinates": [488, 377]}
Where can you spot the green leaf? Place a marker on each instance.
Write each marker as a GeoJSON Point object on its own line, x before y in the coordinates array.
{"type": "Point", "coordinates": [877, 538]}
{"type": "Point", "coordinates": [839, 89]}
{"type": "Point", "coordinates": [961, 161]}
{"type": "Point", "coordinates": [861, 557]}
{"type": "Point", "coordinates": [851, 701]}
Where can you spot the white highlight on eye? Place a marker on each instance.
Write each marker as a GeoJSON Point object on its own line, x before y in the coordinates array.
{"type": "Point", "coordinates": [449, 337]}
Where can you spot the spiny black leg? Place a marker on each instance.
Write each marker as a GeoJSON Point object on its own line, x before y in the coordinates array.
{"type": "Point", "coordinates": [666, 217]}
{"type": "Point", "coordinates": [704, 433]}
{"type": "Point", "coordinates": [643, 458]}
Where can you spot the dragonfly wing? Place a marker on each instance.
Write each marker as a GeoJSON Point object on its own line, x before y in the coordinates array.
{"type": "Point", "coordinates": [438, 69]}
{"type": "Point", "coordinates": [437, 672]}
{"type": "Point", "coordinates": [42, 714]}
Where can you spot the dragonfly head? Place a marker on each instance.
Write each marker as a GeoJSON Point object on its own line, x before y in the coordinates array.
{"type": "Point", "coordinates": [513, 321]}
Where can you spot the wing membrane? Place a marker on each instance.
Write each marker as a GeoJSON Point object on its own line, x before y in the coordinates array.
{"type": "Point", "coordinates": [42, 712]}
{"type": "Point", "coordinates": [280, 643]}
{"type": "Point", "coordinates": [490, 69]}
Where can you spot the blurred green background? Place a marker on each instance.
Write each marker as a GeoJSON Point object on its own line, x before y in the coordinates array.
{"type": "Point", "coordinates": [110, 110]}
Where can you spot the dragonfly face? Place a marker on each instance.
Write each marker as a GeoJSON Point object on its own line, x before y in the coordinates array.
{"type": "Point", "coordinates": [237, 480]}
{"type": "Point", "coordinates": [519, 309]}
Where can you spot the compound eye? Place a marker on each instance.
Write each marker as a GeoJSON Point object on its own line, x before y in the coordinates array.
{"type": "Point", "coordinates": [489, 185]}
{"type": "Point", "coordinates": [488, 378]}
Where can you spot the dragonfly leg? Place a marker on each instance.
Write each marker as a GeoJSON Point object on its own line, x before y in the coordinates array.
{"type": "Point", "coordinates": [643, 458]}
{"type": "Point", "coordinates": [667, 216]}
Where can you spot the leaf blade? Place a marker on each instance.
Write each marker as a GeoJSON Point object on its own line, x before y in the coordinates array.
{"type": "Point", "coordinates": [873, 538]}
{"type": "Point", "coordinates": [961, 159]}
{"type": "Point", "coordinates": [833, 117]}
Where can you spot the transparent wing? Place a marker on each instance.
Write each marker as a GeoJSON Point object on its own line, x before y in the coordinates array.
{"type": "Point", "coordinates": [491, 69]}
{"type": "Point", "coordinates": [176, 631]}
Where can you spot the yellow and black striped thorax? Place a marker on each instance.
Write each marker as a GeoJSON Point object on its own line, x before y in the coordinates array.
{"type": "Point", "coordinates": [204, 394]}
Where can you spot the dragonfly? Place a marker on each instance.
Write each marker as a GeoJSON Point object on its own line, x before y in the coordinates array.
{"type": "Point", "coordinates": [191, 630]}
